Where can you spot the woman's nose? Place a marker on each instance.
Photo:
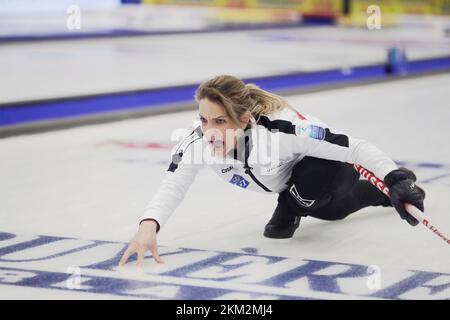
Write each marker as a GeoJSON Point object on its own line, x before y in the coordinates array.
{"type": "Point", "coordinates": [211, 134]}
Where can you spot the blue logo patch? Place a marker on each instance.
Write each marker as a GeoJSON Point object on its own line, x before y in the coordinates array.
{"type": "Point", "coordinates": [239, 181]}
{"type": "Point", "coordinates": [312, 131]}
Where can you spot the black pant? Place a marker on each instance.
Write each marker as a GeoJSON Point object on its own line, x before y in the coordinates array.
{"type": "Point", "coordinates": [328, 190]}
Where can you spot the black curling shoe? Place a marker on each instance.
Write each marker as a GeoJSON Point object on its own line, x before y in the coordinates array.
{"type": "Point", "coordinates": [281, 226]}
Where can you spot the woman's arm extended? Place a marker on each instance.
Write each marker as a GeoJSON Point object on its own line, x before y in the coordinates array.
{"type": "Point", "coordinates": [186, 162]}
{"type": "Point", "coordinates": [322, 142]}
{"type": "Point", "coordinates": [179, 176]}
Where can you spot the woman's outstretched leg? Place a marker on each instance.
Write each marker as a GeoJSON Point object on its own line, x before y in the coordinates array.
{"type": "Point", "coordinates": [312, 185]}
{"type": "Point", "coordinates": [322, 189]}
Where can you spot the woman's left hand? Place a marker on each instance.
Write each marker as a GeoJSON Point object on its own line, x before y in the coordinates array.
{"type": "Point", "coordinates": [402, 189]}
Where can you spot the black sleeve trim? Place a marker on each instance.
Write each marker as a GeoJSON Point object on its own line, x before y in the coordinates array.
{"type": "Point", "coordinates": [339, 139]}
{"type": "Point", "coordinates": [176, 157]}
{"type": "Point", "coordinates": [289, 128]}
{"type": "Point", "coordinates": [280, 125]}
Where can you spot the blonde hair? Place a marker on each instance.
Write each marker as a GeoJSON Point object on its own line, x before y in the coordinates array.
{"type": "Point", "coordinates": [236, 97]}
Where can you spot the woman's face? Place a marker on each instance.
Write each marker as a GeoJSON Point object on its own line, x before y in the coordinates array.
{"type": "Point", "coordinates": [217, 127]}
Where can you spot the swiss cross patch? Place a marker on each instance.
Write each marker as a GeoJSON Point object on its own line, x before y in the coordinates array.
{"type": "Point", "coordinates": [239, 181]}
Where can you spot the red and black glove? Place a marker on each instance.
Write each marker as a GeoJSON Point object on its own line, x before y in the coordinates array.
{"type": "Point", "coordinates": [402, 188]}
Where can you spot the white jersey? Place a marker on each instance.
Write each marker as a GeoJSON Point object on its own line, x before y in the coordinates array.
{"type": "Point", "coordinates": [275, 144]}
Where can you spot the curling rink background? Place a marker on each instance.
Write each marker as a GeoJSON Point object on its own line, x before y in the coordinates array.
{"type": "Point", "coordinates": [71, 201]}
{"type": "Point", "coordinates": [68, 68]}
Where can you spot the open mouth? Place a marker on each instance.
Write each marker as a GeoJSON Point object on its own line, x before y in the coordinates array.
{"type": "Point", "coordinates": [217, 144]}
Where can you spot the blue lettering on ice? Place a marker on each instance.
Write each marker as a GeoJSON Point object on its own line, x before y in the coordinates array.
{"type": "Point", "coordinates": [221, 272]}
{"type": "Point", "coordinates": [325, 283]}
{"type": "Point", "coordinates": [239, 181]}
{"type": "Point", "coordinates": [418, 280]}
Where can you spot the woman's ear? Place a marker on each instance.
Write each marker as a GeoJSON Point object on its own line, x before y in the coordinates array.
{"type": "Point", "coordinates": [245, 118]}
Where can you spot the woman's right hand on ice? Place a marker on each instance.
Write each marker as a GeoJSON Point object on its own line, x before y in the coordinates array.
{"type": "Point", "coordinates": [143, 240]}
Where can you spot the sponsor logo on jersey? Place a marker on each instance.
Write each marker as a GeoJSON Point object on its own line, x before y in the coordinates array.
{"type": "Point", "coordinates": [312, 131]}
{"type": "Point", "coordinates": [239, 181]}
{"type": "Point", "coordinates": [90, 267]}
{"type": "Point", "coordinates": [274, 168]}
{"type": "Point", "coordinates": [225, 170]}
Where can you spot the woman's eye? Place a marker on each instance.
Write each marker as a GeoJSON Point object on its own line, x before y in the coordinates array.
{"type": "Point", "coordinates": [220, 121]}
{"type": "Point", "coordinates": [203, 120]}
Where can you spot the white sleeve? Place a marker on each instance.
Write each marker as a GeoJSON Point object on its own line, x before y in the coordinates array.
{"type": "Point", "coordinates": [322, 142]}
{"type": "Point", "coordinates": [178, 178]}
